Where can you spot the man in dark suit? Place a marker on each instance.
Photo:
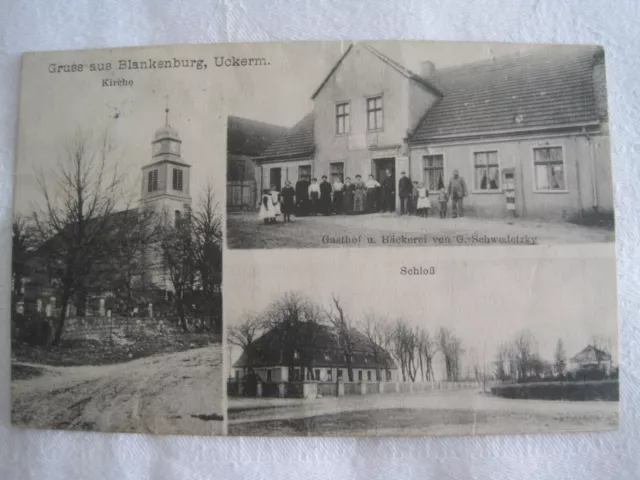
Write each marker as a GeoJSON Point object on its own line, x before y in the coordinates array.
{"type": "Point", "coordinates": [388, 193]}
{"type": "Point", "coordinates": [302, 197]}
{"type": "Point", "coordinates": [405, 190]}
{"type": "Point", "coordinates": [325, 196]}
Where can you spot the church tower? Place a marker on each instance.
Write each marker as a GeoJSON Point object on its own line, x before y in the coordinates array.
{"type": "Point", "coordinates": [166, 180]}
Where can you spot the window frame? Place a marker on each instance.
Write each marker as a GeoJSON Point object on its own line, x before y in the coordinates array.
{"type": "Point", "coordinates": [332, 174]}
{"type": "Point", "coordinates": [346, 116]}
{"type": "Point", "coordinates": [444, 170]}
{"type": "Point", "coordinates": [474, 190]}
{"type": "Point", "coordinates": [381, 110]}
{"type": "Point", "coordinates": [533, 169]}
{"type": "Point", "coordinates": [306, 165]}
{"type": "Point", "coordinates": [152, 180]}
{"type": "Point", "coordinates": [177, 179]}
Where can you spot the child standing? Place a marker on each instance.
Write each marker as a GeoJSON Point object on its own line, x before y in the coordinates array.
{"type": "Point", "coordinates": [288, 203]}
{"type": "Point", "coordinates": [275, 198]}
{"type": "Point", "coordinates": [267, 212]}
{"type": "Point", "coordinates": [423, 204]}
{"type": "Point", "coordinates": [443, 199]}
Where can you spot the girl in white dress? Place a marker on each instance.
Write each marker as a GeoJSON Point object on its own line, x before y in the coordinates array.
{"type": "Point", "coordinates": [267, 212]}
{"type": "Point", "coordinates": [275, 198]}
{"type": "Point", "coordinates": [424, 204]}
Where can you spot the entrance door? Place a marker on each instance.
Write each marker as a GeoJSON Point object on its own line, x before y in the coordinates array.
{"type": "Point", "coordinates": [275, 178]}
{"type": "Point", "coordinates": [381, 167]}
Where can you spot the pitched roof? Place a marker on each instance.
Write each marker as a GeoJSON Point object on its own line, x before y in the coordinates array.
{"type": "Point", "coordinates": [297, 142]}
{"type": "Point", "coordinates": [392, 63]}
{"type": "Point", "coordinates": [591, 354]}
{"type": "Point", "coordinates": [250, 137]}
{"type": "Point", "coordinates": [268, 351]}
{"type": "Point", "coordinates": [548, 87]}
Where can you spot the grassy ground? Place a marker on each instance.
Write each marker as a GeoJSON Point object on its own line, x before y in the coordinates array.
{"type": "Point", "coordinates": [405, 421]}
{"type": "Point", "coordinates": [96, 352]}
{"type": "Point", "coordinates": [246, 231]}
{"type": "Point", "coordinates": [171, 393]}
{"type": "Point", "coordinates": [463, 412]}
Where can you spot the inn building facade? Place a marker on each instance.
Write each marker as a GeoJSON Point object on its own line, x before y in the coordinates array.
{"type": "Point", "coordinates": [537, 121]}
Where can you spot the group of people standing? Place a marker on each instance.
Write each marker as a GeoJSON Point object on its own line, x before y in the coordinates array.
{"type": "Point", "coordinates": [311, 198]}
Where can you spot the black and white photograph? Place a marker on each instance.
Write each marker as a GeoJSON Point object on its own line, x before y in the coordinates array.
{"type": "Point", "coordinates": [116, 299]}
{"type": "Point", "coordinates": [355, 347]}
{"type": "Point", "coordinates": [363, 144]}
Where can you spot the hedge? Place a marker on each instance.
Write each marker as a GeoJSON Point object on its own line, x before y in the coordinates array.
{"type": "Point", "coordinates": [607, 390]}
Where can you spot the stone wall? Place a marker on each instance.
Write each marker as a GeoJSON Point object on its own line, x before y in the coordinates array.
{"type": "Point", "coordinates": [113, 327]}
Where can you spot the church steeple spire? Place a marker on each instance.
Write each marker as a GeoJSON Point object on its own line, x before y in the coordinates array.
{"type": "Point", "coordinates": [166, 116]}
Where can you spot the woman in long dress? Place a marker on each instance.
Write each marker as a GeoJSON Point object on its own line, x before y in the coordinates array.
{"type": "Point", "coordinates": [347, 199]}
{"type": "Point", "coordinates": [372, 193]}
{"type": "Point", "coordinates": [358, 195]}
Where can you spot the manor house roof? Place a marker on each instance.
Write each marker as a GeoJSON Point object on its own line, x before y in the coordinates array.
{"type": "Point", "coordinates": [268, 351]}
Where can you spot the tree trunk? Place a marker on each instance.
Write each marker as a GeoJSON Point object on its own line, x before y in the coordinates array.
{"type": "Point", "coordinates": [66, 294]}
{"type": "Point", "coordinates": [181, 314]}
{"type": "Point", "coordinates": [82, 304]}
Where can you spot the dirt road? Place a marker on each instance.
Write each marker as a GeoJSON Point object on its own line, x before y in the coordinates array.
{"type": "Point", "coordinates": [246, 231]}
{"type": "Point", "coordinates": [177, 393]}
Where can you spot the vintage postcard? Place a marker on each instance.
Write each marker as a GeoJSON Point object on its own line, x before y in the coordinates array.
{"type": "Point", "coordinates": [146, 178]}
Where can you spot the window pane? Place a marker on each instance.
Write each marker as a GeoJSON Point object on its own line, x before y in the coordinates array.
{"type": "Point", "coordinates": [494, 178]}
{"type": "Point", "coordinates": [541, 155]}
{"type": "Point", "coordinates": [556, 154]}
{"type": "Point", "coordinates": [557, 177]}
{"type": "Point", "coordinates": [379, 119]}
{"type": "Point", "coordinates": [372, 120]}
{"type": "Point", "coordinates": [542, 182]}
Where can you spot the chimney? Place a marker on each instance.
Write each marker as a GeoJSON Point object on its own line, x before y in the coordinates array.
{"type": "Point", "coordinates": [427, 69]}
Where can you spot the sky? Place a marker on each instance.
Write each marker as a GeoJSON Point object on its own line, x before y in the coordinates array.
{"type": "Point", "coordinates": [484, 301]}
{"type": "Point", "coordinates": [56, 106]}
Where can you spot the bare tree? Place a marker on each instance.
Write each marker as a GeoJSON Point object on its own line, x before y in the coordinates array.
{"type": "Point", "coordinates": [451, 348]}
{"type": "Point", "coordinates": [24, 242]}
{"type": "Point", "coordinates": [136, 231]}
{"type": "Point", "coordinates": [525, 349]}
{"type": "Point", "coordinates": [79, 194]}
{"type": "Point", "coordinates": [245, 333]}
{"type": "Point", "coordinates": [342, 326]}
{"type": "Point", "coordinates": [502, 362]}
{"type": "Point", "coordinates": [207, 229]}
{"type": "Point", "coordinates": [560, 358]}
{"type": "Point", "coordinates": [373, 328]}
{"type": "Point", "coordinates": [296, 323]}
{"type": "Point", "coordinates": [178, 253]}
{"type": "Point", "coordinates": [428, 348]}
